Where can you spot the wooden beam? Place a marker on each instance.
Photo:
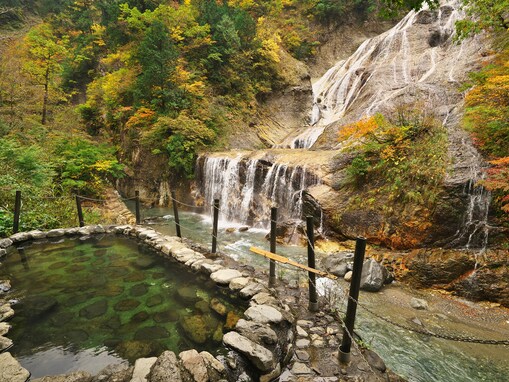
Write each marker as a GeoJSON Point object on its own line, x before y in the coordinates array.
{"type": "Point", "coordinates": [284, 260]}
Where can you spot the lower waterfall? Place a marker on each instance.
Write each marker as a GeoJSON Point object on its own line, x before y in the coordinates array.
{"type": "Point", "coordinates": [248, 188]}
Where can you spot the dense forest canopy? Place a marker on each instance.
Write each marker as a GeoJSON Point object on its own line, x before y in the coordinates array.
{"type": "Point", "coordinates": [84, 84]}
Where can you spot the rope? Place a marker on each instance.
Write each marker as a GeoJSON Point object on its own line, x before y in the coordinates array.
{"type": "Point", "coordinates": [426, 332]}
{"type": "Point", "coordinates": [91, 199]}
{"type": "Point", "coordinates": [183, 204]}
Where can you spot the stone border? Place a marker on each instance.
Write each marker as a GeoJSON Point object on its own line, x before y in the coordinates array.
{"type": "Point", "coordinates": [261, 342]}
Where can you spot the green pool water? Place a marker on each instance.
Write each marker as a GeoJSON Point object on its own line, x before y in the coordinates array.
{"type": "Point", "coordinates": [84, 304]}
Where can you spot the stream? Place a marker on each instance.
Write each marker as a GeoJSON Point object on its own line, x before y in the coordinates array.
{"type": "Point", "coordinates": [414, 356]}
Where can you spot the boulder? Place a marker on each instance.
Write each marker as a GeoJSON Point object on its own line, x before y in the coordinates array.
{"type": "Point", "coordinates": [114, 373]}
{"type": "Point", "coordinates": [338, 263]}
{"type": "Point", "coordinates": [238, 283]}
{"type": "Point", "coordinates": [261, 357]}
{"type": "Point", "coordinates": [4, 328]}
{"type": "Point", "coordinates": [195, 328]}
{"type": "Point", "coordinates": [224, 276]}
{"type": "Point", "coordinates": [165, 368]}
{"type": "Point", "coordinates": [215, 369]}
{"type": "Point", "coordinates": [372, 278]}
{"type": "Point", "coordinates": [55, 233]}
{"type": "Point", "coordinates": [20, 236]}
{"type": "Point", "coordinates": [194, 364]}
{"type": "Point", "coordinates": [264, 314]}
{"type": "Point", "coordinates": [4, 243]}
{"type": "Point", "coordinates": [251, 289]}
{"type": "Point", "coordinates": [5, 343]}
{"type": "Point", "coordinates": [11, 370]}
{"type": "Point", "coordinates": [5, 286]}
{"type": "Point", "coordinates": [6, 312]}
{"type": "Point", "coordinates": [142, 368]}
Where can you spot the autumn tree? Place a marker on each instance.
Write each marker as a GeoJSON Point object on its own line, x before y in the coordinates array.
{"type": "Point", "coordinates": [43, 64]}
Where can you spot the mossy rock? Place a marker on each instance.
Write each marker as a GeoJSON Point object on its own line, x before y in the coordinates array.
{"type": "Point", "coordinates": [231, 320]}
{"type": "Point", "coordinates": [218, 307]}
{"type": "Point", "coordinates": [132, 350]}
{"type": "Point", "coordinates": [111, 291]}
{"type": "Point", "coordinates": [202, 307]}
{"type": "Point", "coordinates": [195, 328]}
{"type": "Point", "coordinates": [58, 265]}
{"type": "Point", "coordinates": [140, 317]}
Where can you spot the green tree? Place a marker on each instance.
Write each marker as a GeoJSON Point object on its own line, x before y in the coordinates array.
{"type": "Point", "coordinates": [45, 54]}
{"type": "Point", "coordinates": [157, 58]}
{"type": "Point", "coordinates": [488, 15]}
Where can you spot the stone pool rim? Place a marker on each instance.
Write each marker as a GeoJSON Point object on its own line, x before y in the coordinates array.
{"type": "Point", "coordinates": [265, 313]}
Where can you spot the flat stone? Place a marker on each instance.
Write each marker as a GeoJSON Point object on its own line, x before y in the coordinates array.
{"type": "Point", "coordinates": [259, 333]}
{"type": "Point", "coordinates": [418, 303]}
{"type": "Point", "coordinates": [37, 234]}
{"type": "Point", "coordinates": [263, 298]}
{"type": "Point", "coordinates": [302, 355]}
{"type": "Point", "coordinates": [251, 289]}
{"type": "Point", "coordinates": [20, 236]}
{"type": "Point", "coordinates": [125, 305]}
{"type": "Point", "coordinates": [301, 332]}
{"type": "Point", "coordinates": [211, 267]}
{"type": "Point", "coordinates": [194, 364]}
{"type": "Point", "coordinates": [238, 283]}
{"type": "Point", "coordinates": [261, 357]}
{"type": "Point", "coordinates": [224, 276]}
{"type": "Point", "coordinates": [264, 314]}
{"type": "Point", "coordinates": [55, 233]}
{"type": "Point", "coordinates": [302, 343]}
{"type": "Point", "coordinates": [305, 323]}
{"type": "Point", "coordinates": [165, 368]}
{"type": "Point", "coordinates": [142, 369]}
{"type": "Point", "coordinates": [300, 368]}
{"type": "Point", "coordinates": [11, 370]}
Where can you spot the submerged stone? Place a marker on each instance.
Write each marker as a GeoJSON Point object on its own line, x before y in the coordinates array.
{"type": "Point", "coordinates": [37, 306]}
{"type": "Point", "coordinates": [116, 271]}
{"type": "Point", "coordinates": [140, 317]}
{"type": "Point", "coordinates": [154, 300]}
{"type": "Point", "coordinates": [134, 276]}
{"type": "Point", "coordinates": [125, 305]}
{"type": "Point", "coordinates": [166, 316]}
{"type": "Point", "coordinates": [218, 307]}
{"type": "Point", "coordinates": [138, 290]}
{"type": "Point", "coordinates": [76, 336]}
{"type": "Point", "coordinates": [95, 309]}
{"type": "Point", "coordinates": [113, 323]}
{"type": "Point", "coordinates": [145, 262]}
{"type": "Point", "coordinates": [151, 333]}
{"type": "Point", "coordinates": [61, 319]}
{"type": "Point", "coordinates": [187, 295]}
{"type": "Point", "coordinates": [58, 265]}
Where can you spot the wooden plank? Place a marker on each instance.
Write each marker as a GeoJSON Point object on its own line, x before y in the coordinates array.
{"type": "Point", "coordinates": [284, 260]}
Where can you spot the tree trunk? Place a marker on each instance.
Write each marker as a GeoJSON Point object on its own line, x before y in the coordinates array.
{"type": "Point", "coordinates": [45, 99]}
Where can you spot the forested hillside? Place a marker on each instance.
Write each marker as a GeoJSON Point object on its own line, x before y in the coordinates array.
{"type": "Point", "coordinates": [88, 87]}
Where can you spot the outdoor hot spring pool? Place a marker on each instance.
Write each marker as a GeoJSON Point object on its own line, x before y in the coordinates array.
{"type": "Point", "coordinates": [85, 304]}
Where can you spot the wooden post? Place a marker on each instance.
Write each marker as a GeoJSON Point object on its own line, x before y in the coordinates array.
{"type": "Point", "coordinates": [346, 343]}
{"type": "Point", "coordinates": [80, 211]}
{"type": "Point", "coordinates": [137, 200]}
{"type": "Point", "coordinates": [313, 297]}
{"type": "Point", "coordinates": [17, 212]}
{"type": "Point", "coordinates": [272, 263]}
{"type": "Point", "coordinates": [214, 225]}
{"type": "Point", "coordinates": [176, 214]}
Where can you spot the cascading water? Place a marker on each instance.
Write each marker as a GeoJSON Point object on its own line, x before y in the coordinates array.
{"type": "Point", "coordinates": [247, 188]}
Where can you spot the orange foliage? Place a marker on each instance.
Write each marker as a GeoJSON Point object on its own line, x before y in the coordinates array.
{"type": "Point", "coordinates": [358, 129]}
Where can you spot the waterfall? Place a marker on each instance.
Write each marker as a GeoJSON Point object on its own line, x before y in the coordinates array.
{"type": "Point", "coordinates": [248, 188]}
{"type": "Point", "coordinates": [474, 230]}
